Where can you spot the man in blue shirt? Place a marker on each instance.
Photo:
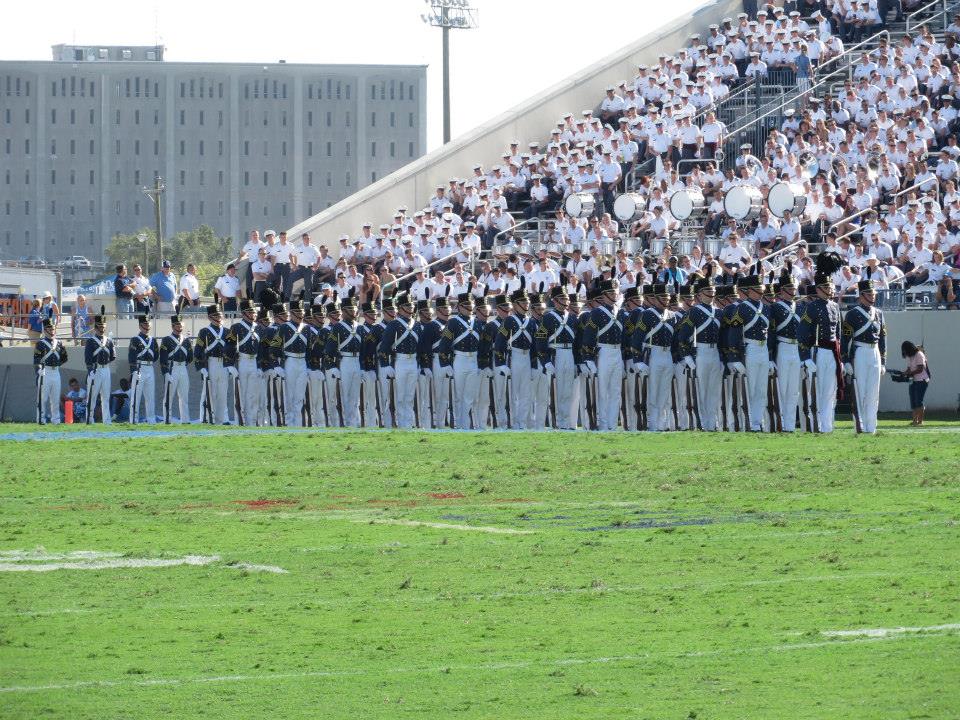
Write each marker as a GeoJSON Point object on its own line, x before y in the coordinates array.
{"type": "Point", "coordinates": [123, 289]}
{"type": "Point", "coordinates": [802, 69]}
{"type": "Point", "coordinates": [672, 273]}
{"type": "Point", "coordinates": [164, 291]}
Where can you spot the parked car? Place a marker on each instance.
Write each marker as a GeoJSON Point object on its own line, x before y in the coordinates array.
{"type": "Point", "coordinates": [31, 261]}
{"type": "Point", "coordinates": [76, 262]}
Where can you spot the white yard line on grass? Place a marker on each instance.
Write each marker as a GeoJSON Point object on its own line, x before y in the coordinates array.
{"type": "Point", "coordinates": [41, 555]}
{"type": "Point", "coordinates": [432, 671]}
{"type": "Point", "coordinates": [252, 567]}
{"type": "Point", "coordinates": [366, 518]}
{"type": "Point", "coordinates": [887, 632]}
{"type": "Point", "coordinates": [109, 564]}
{"type": "Point", "coordinates": [445, 526]}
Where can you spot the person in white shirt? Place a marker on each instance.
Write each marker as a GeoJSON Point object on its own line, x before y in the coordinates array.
{"type": "Point", "coordinates": [261, 268]}
{"type": "Point", "coordinates": [308, 261]}
{"type": "Point", "coordinates": [228, 287]}
{"type": "Point", "coordinates": [249, 253]}
{"type": "Point", "coordinates": [190, 286]}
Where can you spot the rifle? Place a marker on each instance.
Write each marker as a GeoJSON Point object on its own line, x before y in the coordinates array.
{"type": "Point", "coordinates": [744, 403]}
{"type": "Point", "coordinates": [493, 405]}
{"type": "Point", "coordinates": [553, 402]}
{"type": "Point", "coordinates": [855, 407]}
{"type": "Point", "coordinates": [206, 410]}
{"type": "Point", "coordinates": [91, 401]}
{"type": "Point", "coordinates": [433, 423]}
{"type": "Point", "coordinates": [238, 401]}
{"type": "Point", "coordinates": [270, 419]}
{"type": "Point", "coordinates": [805, 395]}
{"type": "Point", "coordinates": [376, 397]}
{"type": "Point", "coordinates": [506, 384]}
{"type": "Point", "coordinates": [279, 409]}
{"type": "Point", "coordinates": [450, 398]}
{"type": "Point", "coordinates": [637, 408]}
{"type": "Point", "coordinates": [339, 403]}
{"type": "Point", "coordinates": [307, 408]}
{"type": "Point", "coordinates": [363, 416]}
{"type": "Point", "coordinates": [134, 400]}
{"type": "Point", "coordinates": [591, 410]}
{"type": "Point", "coordinates": [393, 403]}
{"type": "Point", "coordinates": [623, 402]}
{"type": "Point", "coordinates": [814, 412]}
{"type": "Point", "coordinates": [773, 394]}
{"type": "Point", "coordinates": [593, 381]}
{"type": "Point", "coordinates": [695, 395]}
{"type": "Point", "coordinates": [644, 410]}
{"type": "Point", "coordinates": [323, 403]}
{"type": "Point", "coordinates": [40, 375]}
{"type": "Point", "coordinates": [166, 398]}
{"type": "Point", "coordinates": [673, 401]}
{"type": "Point", "coordinates": [733, 398]}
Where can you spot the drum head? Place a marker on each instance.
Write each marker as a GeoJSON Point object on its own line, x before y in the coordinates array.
{"type": "Point", "coordinates": [628, 207]}
{"type": "Point", "coordinates": [780, 199]}
{"type": "Point", "coordinates": [736, 203]}
{"type": "Point", "coordinates": [573, 205]}
{"type": "Point", "coordinates": [681, 205]}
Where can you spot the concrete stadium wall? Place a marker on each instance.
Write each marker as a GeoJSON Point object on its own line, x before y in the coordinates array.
{"type": "Point", "coordinates": [937, 331]}
{"type": "Point", "coordinates": [414, 184]}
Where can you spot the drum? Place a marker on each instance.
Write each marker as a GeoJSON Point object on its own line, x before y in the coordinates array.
{"type": "Point", "coordinates": [712, 246]}
{"type": "Point", "coordinates": [628, 207]}
{"type": "Point", "coordinates": [657, 246]}
{"type": "Point", "coordinates": [786, 196]}
{"type": "Point", "coordinates": [687, 203]}
{"type": "Point", "coordinates": [631, 245]}
{"type": "Point", "coordinates": [743, 202]}
{"type": "Point", "coordinates": [579, 205]}
{"type": "Point", "coordinates": [683, 247]}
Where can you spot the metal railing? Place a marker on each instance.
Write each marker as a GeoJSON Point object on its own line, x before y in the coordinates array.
{"type": "Point", "coordinates": [916, 19]}
{"type": "Point", "coordinates": [517, 230]}
{"type": "Point", "coordinates": [474, 255]}
{"type": "Point", "coordinates": [861, 213]}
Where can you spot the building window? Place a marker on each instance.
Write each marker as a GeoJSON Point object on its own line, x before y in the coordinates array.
{"type": "Point", "coordinates": [118, 118]}
{"type": "Point", "coordinates": [220, 148]}
{"type": "Point", "coordinates": [156, 148]}
{"type": "Point", "coordinates": [348, 179]}
{"type": "Point", "coordinates": [373, 92]}
{"type": "Point", "coordinates": [91, 147]}
{"type": "Point", "coordinates": [136, 117]}
{"type": "Point", "coordinates": [310, 119]}
{"type": "Point", "coordinates": [348, 149]}
{"type": "Point", "coordinates": [283, 178]}
{"type": "Point", "coordinates": [53, 177]}
{"type": "Point", "coordinates": [183, 177]}
{"type": "Point", "coordinates": [136, 147]}
{"type": "Point", "coordinates": [116, 177]}
{"type": "Point", "coordinates": [411, 120]}
{"type": "Point", "coordinates": [410, 94]}
{"type": "Point", "coordinates": [73, 117]}
{"type": "Point", "coordinates": [393, 149]}
{"type": "Point", "coordinates": [183, 117]}
{"type": "Point", "coordinates": [91, 117]}
{"type": "Point", "coordinates": [329, 179]}
{"type": "Point", "coordinates": [118, 147]}
{"type": "Point", "coordinates": [201, 207]}
{"type": "Point", "coordinates": [220, 118]}
{"type": "Point", "coordinates": [183, 147]}
{"type": "Point", "coordinates": [136, 178]}
{"type": "Point", "coordinates": [410, 150]}
{"type": "Point", "coordinates": [373, 149]}
{"type": "Point", "coordinates": [283, 115]}
{"type": "Point", "coordinates": [220, 178]}
{"type": "Point", "coordinates": [201, 178]}
{"type": "Point", "coordinates": [246, 148]}
{"type": "Point", "coordinates": [329, 149]}
{"type": "Point", "coordinates": [265, 179]}
{"type": "Point", "coordinates": [393, 119]}
{"type": "Point", "coordinates": [201, 117]}
{"type": "Point", "coordinates": [220, 208]}
{"type": "Point", "coordinates": [347, 121]}
{"type": "Point", "coordinates": [53, 117]}
{"type": "Point", "coordinates": [373, 119]}
{"type": "Point", "coordinates": [246, 177]}
{"type": "Point", "coordinates": [183, 208]}
{"type": "Point", "coordinates": [91, 179]}
{"type": "Point", "coordinates": [373, 177]}
{"type": "Point", "coordinates": [329, 119]}
{"type": "Point", "coordinates": [200, 147]}
{"type": "Point", "coordinates": [309, 179]}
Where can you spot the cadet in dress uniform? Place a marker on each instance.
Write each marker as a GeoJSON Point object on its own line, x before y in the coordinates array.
{"type": "Point", "coordinates": [389, 310]}
{"type": "Point", "coordinates": [243, 348]}
{"type": "Point", "coordinates": [316, 345]}
{"type": "Point", "coordinates": [342, 360]}
{"type": "Point", "coordinates": [542, 370]}
{"type": "Point", "coordinates": [752, 317]}
{"type": "Point", "coordinates": [176, 352]}
{"type": "Point", "coordinates": [651, 346]}
{"type": "Point", "coordinates": [142, 353]}
{"type": "Point", "coordinates": [819, 336]}
{"type": "Point", "coordinates": [864, 342]}
{"type": "Point", "coordinates": [600, 346]}
{"type": "Point", "coordinates": [584, 374]}
{"type": "Point", "coordinates": [98, 352]}
{"type": "Point", "coordinates": [289, 346]}
{"type": "Point", "coordinates": [574, 313]}
{"type": "Point", "coordinates": [208, 357]}
{"type": "Point", "coordinates": [728, 342]}
{"type": "Point", "coordinates": [503, 309]}
{"type": "Point", "coordinates": [561, 331]}
{"type": "Point", "coordinates": [784, 350]}
{"type": "Point", "coordinates": [511, 351]}
{"type": "Point", "coordinates": [457, 354]}
{"type": "Point", "coordinates": [267, 362]}
{"type": "Point", "coordinates": [430, 359]}
{"type": "Point", "coordinates": [48, 355]}
{"type": "Point", "coordinates": [426, 400]}
{"type": "Point", "coordinates": [697, 336]}
{"type": "Point", "coordinates": [398, 361]}
{"type": "Point", "coordinates": [371, 333]}
{"type": "Point", "coordinates": [684, 299]}
{"type": "Point", "coordinates": [488, 332]}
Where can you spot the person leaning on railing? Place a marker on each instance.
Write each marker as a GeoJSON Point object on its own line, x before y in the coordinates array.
{"type": "Point", "coordinates": [918, 373]}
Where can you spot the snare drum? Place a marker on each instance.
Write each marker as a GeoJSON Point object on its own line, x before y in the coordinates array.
{"type": "Point", "coordinates": [683, 247]}
{"type": "Point", "coordinates": [712, 245]}
{"type": "Point", "coordinates": [628, 207]}
{"type": "Point", "coordinates": [579, 205]}
{"type": "Point", "coordinates": [631, 245]}
{"type": "Point", "coordinates": [658, 245]}
{"type": "Point", "coordinates": [743, 202]}
{"type": "Point", "coordinates": [687, 203]}
{"type": "Point", "coordinates": [787, 196]}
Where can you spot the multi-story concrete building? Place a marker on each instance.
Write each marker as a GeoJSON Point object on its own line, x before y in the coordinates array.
{"type": "Point", "coordinates": [239, 146]}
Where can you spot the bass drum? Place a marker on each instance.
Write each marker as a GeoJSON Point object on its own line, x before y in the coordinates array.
{"type": "Point", "coordinates": [787, 196]}
{"type": "Point", "coordinates": [629, 207]}
{"type": "Point", "coordinates": [579, 205]}
{"type": "Point", "coordinates": [687, 203]}
{"type": "Point", "coordinates": [743, 202]}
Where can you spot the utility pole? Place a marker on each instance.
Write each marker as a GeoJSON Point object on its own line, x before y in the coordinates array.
{"type": "Point", "coordinates": [154, 194]}
{"type": "Point", "coordinates": [447, 15]}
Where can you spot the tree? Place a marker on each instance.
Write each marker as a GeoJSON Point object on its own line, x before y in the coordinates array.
{"type": "Point", "coordinates": [200, 246]}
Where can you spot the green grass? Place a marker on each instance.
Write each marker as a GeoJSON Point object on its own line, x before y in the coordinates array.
{"type": "Point", "coordinates": [633, 576]}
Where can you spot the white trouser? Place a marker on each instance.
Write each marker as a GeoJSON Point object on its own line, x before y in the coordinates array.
{"type": "Point", "coordinates": [500, 399]}
{"type": "Point", "coordinates": [350, 378]}
{"type": "Point", "coordinates": [680, 389]}
{"type": "Point", "coordinates": [826, 388]}
{"type": "Point", "coordinates": [176, 394]}
{"type": "Point", "coordinates": [295, 370]}
{"type": "Point", "coordinates": [709, 385]}
{"type": "Point", "coordinates": [466, 388]}
{"type": "Point", "coordinates": [249, 380]}
{"type": "Point", "coordinates": [146, 390]}
{"type": "Point", "coordinates": [405, 387]}
{"type": "Point", "coordinates": [866, 383]}
{"type": "Point", "coordinates": [385, 411]}
{"type": "Point", "coordinates": [441, 396]}
{"type": "Point", "coordinates": [481, 412]}
{"type": "Point", "coordinates": [539, 399]}
{"type": "Point", "coordinates": [330, 391]}
{"type": "Point", "coordinates": [566, 388]}
{"type": "Point", "coordinates": [100, 387]}
{"type": "Point", "coordinates": [609, 386]}
{"type": "Point", "coordinates": [426, 401]}
{"type": "Point", "coordinates": [315, 387]}
{"type": "Point", "coordinates": [658, 388]}
{"type": "Point", "coordinates": [270, 384]}
{"type": "Point", "coordinates": [219, 383]}
{"type": "Point", "coordinates": [758, 371]}
{"type": "Point", "coordinates": [581, 407]}
{"type": "Point", "coordinates": [50, 394]}
{"type": "Point", "coordinates": [788, 383]}
{"type": "Point", "coordinates": [520, 378]}
{"type": "Point", "coordinates": [370, 393]}
{"type": "Point", "coordinates": [630, 389]}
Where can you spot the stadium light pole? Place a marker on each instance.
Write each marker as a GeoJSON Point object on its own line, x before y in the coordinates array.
{"type": "Point", "coordinates": [449, 15]}
{"type": "Point", "coordinates": [154, 194]}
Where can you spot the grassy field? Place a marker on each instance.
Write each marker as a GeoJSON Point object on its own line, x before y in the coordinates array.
{"type": "Point", "coordinates": [498, 575]}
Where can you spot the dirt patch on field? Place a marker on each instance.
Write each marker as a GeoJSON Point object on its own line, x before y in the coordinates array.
{"type": "Point", "coordinates": [446, 495]}
{"type": "Point", "coordinates": [265, 503]}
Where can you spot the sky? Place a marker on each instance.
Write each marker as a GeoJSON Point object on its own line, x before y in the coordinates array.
{"type": "Point", "coordinates": [520, 47]}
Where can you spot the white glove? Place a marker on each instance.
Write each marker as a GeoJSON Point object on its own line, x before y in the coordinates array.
{"type": "Point", "coordinates": [259, 374]}
{"type": "Point", "coordinates": [582, 369]}
{"type": "Point", "coordinates": [631, 367]}
{"type": "Point", "coordinates": [772, 368]}
{"type": "Point", "coordinates": [204, 373]}
{"type": "Point", "coordinates": [689, 363]}
{"type": "Point", "coordinates": [883, 370]}
{"type": "Point", "coordinates": [369, 376]}
{"type": "Point", "coordinates": [426, 372]}
{"type": "Point", "coordinates": [549, 370]}
{"type": "Point", "coordinates": [504, 370]}
{"type": "Point", "coordinates": [810, 366]}
{"type": "Point", "coordinates": [488, 373]}
{"type": "Point", "coordinates": [388, 372]}
{"type": "Point", "coordinates": [232, 372]}
{"type": "Point", "coordinates": [333, 373]}
{"type": "Point", "coordinates": [447, 372]}
{"type": "Point", "coordinates": [280, 372]}
{"type": "Point", "coordinates": [641, 368]}
{"type": "Point", "coordinates": [315, 375]}
{"type": "Point", "coordinates": [848, 369]}
{"type": "Point", "coordinates": [739, 368]}
{"type": "Point", "coordinates": [591, 367]}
